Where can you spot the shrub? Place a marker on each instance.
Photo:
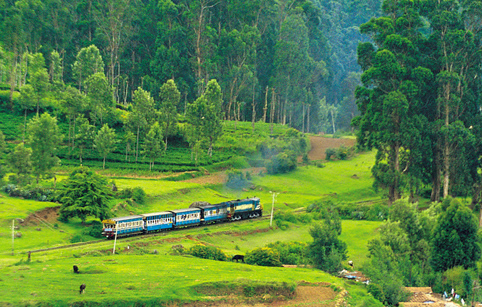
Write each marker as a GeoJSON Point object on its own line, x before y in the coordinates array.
{"type": "Point", "coordinates": [207, 252]}
{"type": "Point", "coordinates": [290, 252]}
{"type": "Point", "coordinates": [139, 195]}
{"type": "Point", "coordinates": [330, 152]}
{"type": "Point", "coordinates": [263, 256]}
{"type": "Point", "coordinates": [95, 230]}
{"type": "Point", "coordinates": [281, 163]}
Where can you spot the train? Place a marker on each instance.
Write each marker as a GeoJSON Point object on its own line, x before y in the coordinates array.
{"type": "Point", "coordinates": [195, 215]}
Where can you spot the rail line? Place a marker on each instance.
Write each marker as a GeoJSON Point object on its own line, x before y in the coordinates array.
{"type": "Point", "coordinates": [129, 239]}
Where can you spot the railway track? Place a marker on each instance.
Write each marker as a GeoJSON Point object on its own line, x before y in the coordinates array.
{"type": "Point", "coordinates": [131, 238]}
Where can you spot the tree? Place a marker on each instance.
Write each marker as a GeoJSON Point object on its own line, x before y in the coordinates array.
{"type": "Point", "coordinates": [105, 142]}
{"type": "Point", "coordinates": [56, 70]}
{"type": "Point", "coordinates": [140, 118]}
{"type": "Point", "coordinates": [327, 250]}
{"type": "Point", "coordinates": [153, 144]}
{"type": "Point", "coordinates": [114, 21]}
{"type": "Point", "coordinates": [99, 93]}
{"type": "Point", "coordinates": [72, 103]}
{"type": "Point", "coordinates": [391, 100]}
{"type": "Point", "coordinates": [43, 137]}
{"type": "Point", "coordinates": [457, 228]}
{"type": "Point", "coordinates": [84, 136]}
{"type": "Point", "coordinates": [170, 97]}
{"type": "Point", "coordinates": [130, 140]}
{"type": "Point", "coordinates": [204, 114]}
{"type": "Point", "coordinates": [84, 194]}
{"type": "Point", "coordinates": [26, 102]}
{"type": "Point", "coordinates": [88, 62]}
{"type": "Point", "coordinates": [38, 77]}
{"type": "Point", "coordinates": [3, 146]}
{"type": "Point", "coordinates": [20, 163]}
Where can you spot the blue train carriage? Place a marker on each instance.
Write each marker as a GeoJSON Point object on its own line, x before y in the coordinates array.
{"type": "Point", "coordinates": [244, 208]}
{"type": "Point", "coordinates": [124, 226]}
{"type": "Point", "coordinates": [214, 213]}
{"type": "Point", "coordinates": [158, 221]}
{"type": "Point", "coordinates": [186, 217]}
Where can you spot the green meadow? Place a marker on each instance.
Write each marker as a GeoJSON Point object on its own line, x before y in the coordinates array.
{"type": "Point", "coordinates": [143, 269]}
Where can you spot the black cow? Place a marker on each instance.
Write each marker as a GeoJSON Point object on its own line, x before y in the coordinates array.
{"type": "Point", "coordinates": [238, 257]}
{"type": "Point", "coordinates": [82, 288]}
{"type": "Point", "coordinates": [76, 269]}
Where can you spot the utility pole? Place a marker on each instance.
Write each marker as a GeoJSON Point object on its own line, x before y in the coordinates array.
{"type": "Point", "coordinates": [272, 208]}
{"type": "Point", "coordinates": [13, 236]}
{"type": "Point", "coordinates": [115, 239]}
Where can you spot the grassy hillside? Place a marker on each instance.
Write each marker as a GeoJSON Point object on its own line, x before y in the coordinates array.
{"type": "Point", "coordinates": [144, 269]}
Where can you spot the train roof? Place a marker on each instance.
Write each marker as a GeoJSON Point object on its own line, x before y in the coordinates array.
{"type": "Point", "coordinates": [185, 210]}
{"type": "Point", "coordinates": [214, 206]}
{"type": "Point", "coordinates": [156, 213]}
{"type": "Point", "coordinates": [122, 218]}
{"type": "Point", "coordinates": [244, 199]}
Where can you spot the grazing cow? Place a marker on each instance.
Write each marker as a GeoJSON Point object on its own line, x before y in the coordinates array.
{"type": "Point", "coordinates": [82, 288]}
{"type": "Point", "coordinates": [350, 263]}
{"type": "Point", "coordinates": [76, 269]}
{"type": "Point", "coordinates": [238, 257]}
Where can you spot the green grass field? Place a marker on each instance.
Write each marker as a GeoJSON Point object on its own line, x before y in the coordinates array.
{"type": "Point", "coordinates": [137, 275]}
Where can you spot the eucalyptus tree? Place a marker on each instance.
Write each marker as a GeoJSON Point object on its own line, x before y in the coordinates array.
{"type": "Point", "coordinates": [56, 70]}
{"type": "Point", "coordinates": [142, 115]}
{"type": "Point", "coordinates": [72, 103]}
{"type": "Point", "coordinates": [87, 62]}
{"type": "Point", "coordinates": [3, 146]}
{"type": "Point", "coordinates": [204, 116]}
{"type": "Point", "coordinates": [99, 94]}
{"type": "Point", "coordinates": [172, 54]}
{"type": "Point", "coordinates": [153, 144]}
{"type": "Point", "coordinates": [391, 98]}
{"type": "Point", "coordinates": [38, 77]}
{"type": "Point", "coordinates": [20, 163]}
{"type": "Point", "coordinates": [169, 100]}
{"type": "Point", "coordinates": [455, 44]}
{"type": "Point", "coordinates": [237, 51]}
{"type": "Point", "coordinates": [83, 135]}
{"type": "Point", "coordinates": [105, 142]}
{"type": "Point", "coordinates": [44, 138]}
{"type": "Point", "coordinates": [114, 23]}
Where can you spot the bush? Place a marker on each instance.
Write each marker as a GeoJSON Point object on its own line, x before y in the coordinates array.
{"type": "Point", "coordinates": [95, 230]}
{"type": "Point", "coordinates": [282, 163]}
{"type": "Point", "coordinates": [207, 252]}
{"type": "Point", "coordinates": [290, 252]}
{"type": "Point", "coordinates": [263, 256]}
{"type": "Point", "coordinates": [138, 195]}
{"type": "Point", "coordinates": [330, 152]}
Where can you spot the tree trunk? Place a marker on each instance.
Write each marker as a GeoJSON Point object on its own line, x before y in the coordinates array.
{"type": "Point", "coordinates": [24, 126]}
{"type": "Point", "coordinates": [271, 115]}
{"type": "Point", "coordinates": [137, 144]}
{"type": "Point", "coordinates": [265, 109]}
{"type": "Point", "coordinates": [103, 164]}
{"type": "Point", "coordinates": [303, 118]}
{"type": "Point", "coordinates": [308, 120]}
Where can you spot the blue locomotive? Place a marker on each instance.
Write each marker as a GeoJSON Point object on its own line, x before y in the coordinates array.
{"type": "Point", "coordinates": [233, 210]}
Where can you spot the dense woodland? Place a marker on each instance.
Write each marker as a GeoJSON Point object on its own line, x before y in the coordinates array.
{"type": "Point", "coordinates": [291, 62]}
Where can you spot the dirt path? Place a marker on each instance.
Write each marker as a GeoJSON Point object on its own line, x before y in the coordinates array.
{"type": "Point", "coordinates": [320, 144]}
{"type": "Point", "coordinates": [312, 295]}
